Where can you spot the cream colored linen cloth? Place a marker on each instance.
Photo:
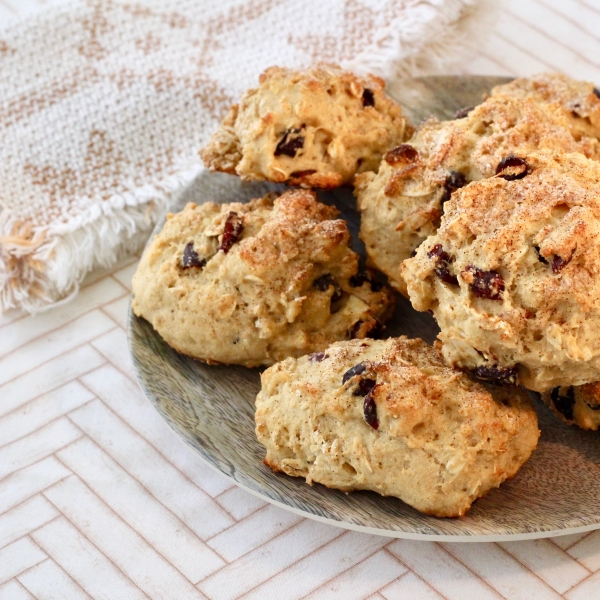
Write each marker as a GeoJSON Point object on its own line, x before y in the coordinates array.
{"type": "Point", "coordinates": [104, 106]}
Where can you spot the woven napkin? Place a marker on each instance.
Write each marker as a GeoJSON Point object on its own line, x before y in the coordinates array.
{"type": "Point", "coordinates": [104, 106]}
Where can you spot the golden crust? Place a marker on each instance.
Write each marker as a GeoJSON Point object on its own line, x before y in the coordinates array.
{"type": "Point", "coordinates": [442, 440]}
{"type": "Point", "coordinates": [578, 101]}
{"type": "Point", "coordinates": [540, 235]}
{"type": "Point", "coordinates": [283, 288]}
{"type": "Point", "coordinates": [402, 204]}
{"type": "Point", "coordinates": [224, 152]}
{"type": "Point", "coordinates": [312, 128]}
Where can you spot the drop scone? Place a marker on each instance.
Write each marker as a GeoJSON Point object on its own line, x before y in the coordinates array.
{"type": "Point", "coordinates": [513, 274]}
{"type": "Point", "coordinates": [579, 102]}
{"type": "Point", "coordinates": [314, 128]}
{"type": "Point", "coordinates": [578, 405]}
{"type": "Point", "coordinates": [392, 417]}
{"type": "Point", "coordinates": [254, 283]}
{"type": "Point", "coordinates": [402, 204]}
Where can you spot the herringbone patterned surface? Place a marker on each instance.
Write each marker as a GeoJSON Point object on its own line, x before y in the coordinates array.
{"type": "Point", "coordinates": [99, 498]}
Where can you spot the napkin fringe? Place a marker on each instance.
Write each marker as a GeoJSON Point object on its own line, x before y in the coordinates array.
{"type": "Point", "coordinates": [455, 30]}
{"type": "Point", "coordinates": [139, 102]}
{"type": "Point", "coordinates": [39, 267]}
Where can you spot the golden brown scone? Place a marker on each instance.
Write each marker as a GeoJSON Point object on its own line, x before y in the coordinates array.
{"type": "Point", "coordinates": [578, 405]}
{"type": "Point", "coordinates": [579, 101]}
{"type": "Point", "coordinates": [314, 128]}
{"type": "Point", "coordinates": [513, 274]}
{"type": "Point", "coordinates": [402, 204]}
{"type": "Point", "coordinates": [254, 283]}
{"type": "Point", "coordinates": [392, 417]}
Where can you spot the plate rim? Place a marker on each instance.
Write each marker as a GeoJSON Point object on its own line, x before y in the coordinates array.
{"type": "Point", "coordinates": [395, 534]}
{"type": "Point", "coordinates": [391, 533]}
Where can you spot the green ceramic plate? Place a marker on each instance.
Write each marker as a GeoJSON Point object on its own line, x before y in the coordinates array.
{"type": "Point", "coordinates": [212, 408]}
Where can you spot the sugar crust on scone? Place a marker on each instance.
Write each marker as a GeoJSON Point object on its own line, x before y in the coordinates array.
{"type": "Point", "coordinates": [513, 274]}
{"type": "Point", "coordinates": [441, 441]}
{"type": "Point", "coordinates": [579, 102]}
{"type": "Point", "coordinates": [276, 279]}
{"type": "Point", "coordinates": [316, 128]}
{"type": "Point", "coordinates": [401, 205]}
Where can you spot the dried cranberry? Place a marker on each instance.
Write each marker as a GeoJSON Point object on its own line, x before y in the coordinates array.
{"type": "Point", "coordinates": [496, 374]}
{"type": "Point", "coordinates": [540, 257]}
{"type": "Point", "coordinates": [326, 281]}
{"type": "Point", "coordinates": [317, 356]}
{"type": "Point", "coordinates": [375, 329]}
{"type": "Point", "coordinates": [358, 279]}
{"type": "Point", "coordinates": [368, 99]}
{"type": "Point", "coordinates": [234, 225]}
{"type": "Point", "coordinates": [441, 264]}
{"type": "Point", "coordinates": [190, 257]}
{"type": "Point", "coordinates": [366, 277]}
{"type": "Point", "coordinates": [337, 292]}
{"type": "Point", "coordinates": [364, 387]}
{"type": "Point", "coordinates": [596, 92]}
{"type": "Point", "coordinates": [370, 410]}
{"type": "Point", "coordinates": [355, 370]}
{"type": "Point", "coordinates": [564, 404]}
{"type": "Point", "coordinates": [517, 167]}
{"type": "Point", "coordinates": [356, 329]}
{"type": "Point", "coordinates": [486, 284]}
{"type": "Point", "coordinates": [306, 173]}
{"type": "Point", "coordinates": [453, 182]}
{"type": "Point", "coordinates": [438, 252]}
{"type": "Point", "coordinates": [291, 142]}
{"type": "Point", "coordinates": [463, 112]}
{"type": "Point", "coordinates": [322, 283]}
{"type": "Point", "coordinates": [559, 263]}
{"type": "Point", "coordinates": [404, 153]}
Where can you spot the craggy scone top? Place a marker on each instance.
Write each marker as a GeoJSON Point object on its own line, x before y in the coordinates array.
{"type": "Point", "coordinates": [317, 128]}
{"type": "Point", "coordinates": [401, 205]}
{"type": "Point", "coordinates": [254, 283]}
{"type": "Point", "coordinates": [392, 417]}
{"type": "Point", "coordinates": [513, 274]}
{"type": "Point", "coordinates": [579, 101]}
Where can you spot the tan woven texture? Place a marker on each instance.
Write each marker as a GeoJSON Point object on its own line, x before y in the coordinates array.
{"type": "Point", "coordinates": [104, 106]}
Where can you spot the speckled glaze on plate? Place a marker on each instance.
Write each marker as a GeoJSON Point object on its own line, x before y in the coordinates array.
{"type": "Point", "coordinates": [212, 407]}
